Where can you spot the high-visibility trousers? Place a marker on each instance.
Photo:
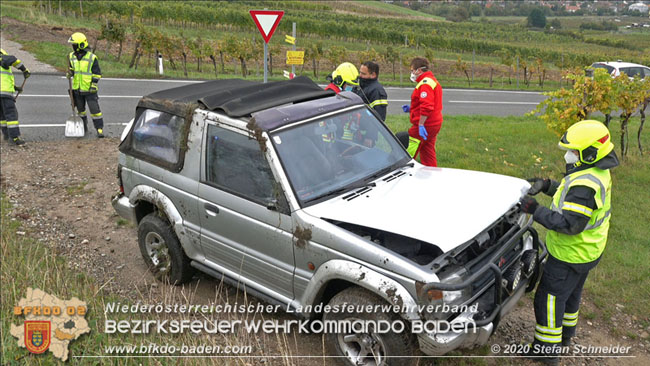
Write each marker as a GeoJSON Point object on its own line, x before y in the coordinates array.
{"type": "Point", "coordinates": [9, 117]}
{"type": "Point", "coordinates": [557, 300]}
{"type": "Point", "coordinates": [80, 101]}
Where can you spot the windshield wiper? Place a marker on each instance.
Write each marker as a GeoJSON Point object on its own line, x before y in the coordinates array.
{"type": "Point", "coordinates": [338, 191]}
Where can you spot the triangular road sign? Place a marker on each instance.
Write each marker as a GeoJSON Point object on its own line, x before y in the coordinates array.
{"type": "Point", "coordinates": [266, 21]}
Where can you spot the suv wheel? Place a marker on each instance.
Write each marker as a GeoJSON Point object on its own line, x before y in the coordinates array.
{"type": "Point", "coordinates": [162, 251]}
{"type": "Point", "coordinates": [369, 349]}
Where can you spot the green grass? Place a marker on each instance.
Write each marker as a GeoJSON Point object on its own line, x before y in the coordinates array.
{"type": "Point", "coordinates": [79, 188]}
{"type": "Point", "coordinates": [523, 147]}
{"type": "Point", "coordinates": [27, 262]}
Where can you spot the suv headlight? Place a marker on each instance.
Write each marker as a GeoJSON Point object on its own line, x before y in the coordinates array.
{"type": "Point", "coordinates": [455, 297]}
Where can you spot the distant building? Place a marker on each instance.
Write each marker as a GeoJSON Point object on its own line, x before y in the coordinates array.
{"type": "Point", "coordinates": [571, 8]}
{"type": "Point", "coordinates": [641, 7]}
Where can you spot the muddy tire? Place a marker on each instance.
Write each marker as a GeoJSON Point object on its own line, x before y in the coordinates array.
{"type": "Point", "coordinates": [162, 252]}
{"type": "Point", "coordinates": [369, 348]}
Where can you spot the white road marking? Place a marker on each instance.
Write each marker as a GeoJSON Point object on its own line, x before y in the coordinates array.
{"type": "Point", "coordinates": [152, 80]}
{"type": "Point", "coordinates": [67, 96]}
{"type": "Point", "coordinates": [63, 125]}
{"type": "Point", "coordinates": [471, 90]}
{"type": "Point", "coordinates": [470, 101]}
{"type": "Point", "coordinates": [489, 102]}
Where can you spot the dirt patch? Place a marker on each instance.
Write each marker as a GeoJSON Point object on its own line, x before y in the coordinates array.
{"type": "Point", "coordinates": [61, 194]}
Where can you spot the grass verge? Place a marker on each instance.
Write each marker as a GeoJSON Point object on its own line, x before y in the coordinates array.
{"type": "Point", "coordinates": [523, 147]}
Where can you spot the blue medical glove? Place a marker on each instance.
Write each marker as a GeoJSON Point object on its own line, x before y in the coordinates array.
{"type": "Point", "coordinates": [423, 132]}
{"type": "Point", "coordinates": [406, 108]}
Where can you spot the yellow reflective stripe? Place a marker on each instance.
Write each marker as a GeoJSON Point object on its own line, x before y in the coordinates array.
{"type": "Point", "coordinates": [427, 81]}
{"type": "Point", "coordinates": [379, 102]}
{"type": "Point", "coordinates": [97, 76]}
{"type": "Point", "coordinates": [82, 113]}
{"type": "Point", "coordinates": [575, 207]}
{"type": "Point", "coordinates": [570, 323]}
{"type": "Point", "coordinates": [550, 311]}
{"type": "Point", "coordinates": [548, 339]}
{"type": "Point", "coordinates": [96, 114]}
{"type": "Point", "coordinates": [547, 330]}
{"type": "Point", "coordinates": [571, 315]}
{"type": "Point", "coordinates": [17, 64]}
{"type": "Point", "coordinates": [413, 146]}
{"type": "Point", "coordinates": [3, 123]}
{"type": "Point", "coordinates": [12, 123]}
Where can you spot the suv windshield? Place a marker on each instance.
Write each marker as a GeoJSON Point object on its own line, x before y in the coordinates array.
{"type": "Point", "coordinates": [337, 153]}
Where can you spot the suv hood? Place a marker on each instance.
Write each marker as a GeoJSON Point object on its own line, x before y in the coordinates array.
{"type": "Point", "coordinates": [442, 206]}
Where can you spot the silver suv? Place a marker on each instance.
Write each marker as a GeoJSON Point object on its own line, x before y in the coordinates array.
{"type": "Point", "coordinates": [307, 198]}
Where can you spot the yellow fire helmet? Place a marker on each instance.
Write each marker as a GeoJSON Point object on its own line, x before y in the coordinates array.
{"type": "Point", "coordinates": [590, 138]}
{"type": "Point", "coordinates": [80, 39]}
{"type": "Point", "coordinates": [345, 73]}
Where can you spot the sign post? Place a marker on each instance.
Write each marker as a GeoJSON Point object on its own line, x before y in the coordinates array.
{"type": "Point", "coordinates": [266, 21]}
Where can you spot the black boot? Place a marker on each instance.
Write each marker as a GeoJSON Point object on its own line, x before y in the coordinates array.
{"type": "Point", "coordinates": [538, 354]}
{"type": "Point", "coordinates": [18, 141]}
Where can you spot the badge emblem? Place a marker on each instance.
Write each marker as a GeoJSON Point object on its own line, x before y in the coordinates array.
{"type": "Point", "coordinates": [37, 335]}
{"type": "Point", "coordinates": [423, 95]}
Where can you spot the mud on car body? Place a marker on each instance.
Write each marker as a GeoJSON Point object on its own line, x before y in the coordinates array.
{"type": "Point", "coordinates": [274, 186]}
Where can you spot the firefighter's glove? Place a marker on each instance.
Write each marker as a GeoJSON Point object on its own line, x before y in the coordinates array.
{"type": "Point", "coordinates": [538, 185]}
{"type": "Point", "coordinates": [423, 133]}
{"type": "Point", "coordinates": [93, 87]}
{"type": "Point", "coordinates": [69, 74]}
{"type": "Point", "coordinates": [528, 204]}
{"type": "Point", "coordinates": [18, 89]}
{"type": "Point", "coordinates": [406, 108]}
{"type": "Point", "coordinates": [26, 74]}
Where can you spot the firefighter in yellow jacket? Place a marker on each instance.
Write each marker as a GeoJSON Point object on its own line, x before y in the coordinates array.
{"type": "Point", "coordinates": [85, 71]}
{"type": "Point", "coordinates": [578, 222]}
{"type": "Point", "coordinates": [8, 111]}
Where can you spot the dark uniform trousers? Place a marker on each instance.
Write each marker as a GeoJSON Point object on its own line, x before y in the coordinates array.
{"type": "Point", "coordinates": [92, 99]}
{"type": "Point", "coordinates": [9, 117]}
{"type": "Point", "coordinates": [557, 301]}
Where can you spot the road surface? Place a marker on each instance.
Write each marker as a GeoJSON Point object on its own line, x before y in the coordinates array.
{"type": "Point", "coordinates": [45, 105]}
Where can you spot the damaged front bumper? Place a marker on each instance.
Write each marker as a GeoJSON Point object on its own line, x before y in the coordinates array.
{"type": "Point", "coordinates": [493, 300]}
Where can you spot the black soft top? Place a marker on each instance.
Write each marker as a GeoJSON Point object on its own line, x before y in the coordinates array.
{"type": "Point", "coordinates": [235, 97]}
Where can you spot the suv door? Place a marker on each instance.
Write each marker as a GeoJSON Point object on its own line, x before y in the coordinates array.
{"type": "Point", "coordinates": [243, 227]}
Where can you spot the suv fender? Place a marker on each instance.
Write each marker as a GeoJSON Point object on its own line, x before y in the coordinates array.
{"type": "Point", "coordinates": [359, 275]}
{"type": "Point", "coordinates": [189, 241]}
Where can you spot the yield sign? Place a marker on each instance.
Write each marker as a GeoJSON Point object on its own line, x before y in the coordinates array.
{"type": "Point", "coordinates": [266, 21]}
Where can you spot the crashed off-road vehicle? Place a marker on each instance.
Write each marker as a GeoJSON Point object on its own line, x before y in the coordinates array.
{"type": "Point", "coordinates": [306, 198]}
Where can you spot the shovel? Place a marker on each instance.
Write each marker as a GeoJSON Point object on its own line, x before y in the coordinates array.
{"type": "Point", "coordinates": [21, 90]}
{"type": "Point", "coordinates": [74, 125]}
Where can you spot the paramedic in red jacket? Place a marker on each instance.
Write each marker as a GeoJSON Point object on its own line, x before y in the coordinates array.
{"type": "Point", "coordinates": [426, 112]}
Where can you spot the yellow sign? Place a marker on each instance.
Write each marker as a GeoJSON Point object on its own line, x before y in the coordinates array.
{"type": "Point", "coordinates": [289, 39]}
{"type": "Point", "coordinates": [295, 57]}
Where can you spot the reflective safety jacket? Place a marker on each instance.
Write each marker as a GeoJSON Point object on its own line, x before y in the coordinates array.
{"type": "Point", "coordinates": [426, 100]}
{"type": "Point", "coordinates": [85, 67]}
{"type": "Point", "coordinates": [7, 83]}
{"type": "Point", "coordinates": [374, 95]}
{"type": "Point", "coordinates": [588, 245]}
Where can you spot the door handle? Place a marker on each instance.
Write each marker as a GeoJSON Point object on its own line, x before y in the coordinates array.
{"type": "Point", "coordinates": [211, 210]}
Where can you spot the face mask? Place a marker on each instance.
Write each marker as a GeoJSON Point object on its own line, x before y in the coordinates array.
{"type": "Point", "coordinates": [348, 88]}
{"type": "Point", "coordinates": [413, 77]}
{"type": "Point", "coordinates": [570, 157]}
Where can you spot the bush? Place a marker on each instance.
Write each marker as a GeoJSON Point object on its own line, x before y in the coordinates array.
{"type": "Point", "coordinates": [536, 18]}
